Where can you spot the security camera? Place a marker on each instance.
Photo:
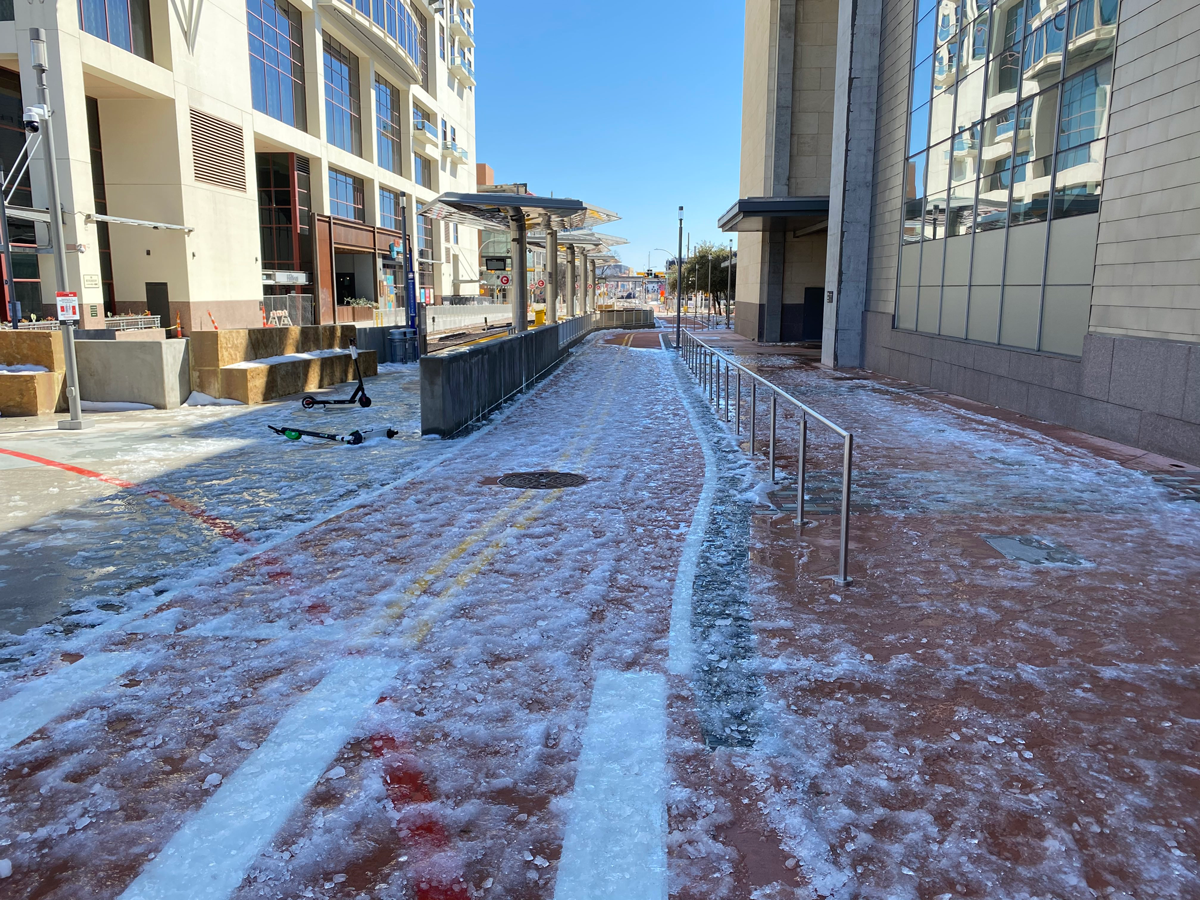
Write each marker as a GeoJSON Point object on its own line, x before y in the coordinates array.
{"type": "Point", "coordinates": [32, 120]}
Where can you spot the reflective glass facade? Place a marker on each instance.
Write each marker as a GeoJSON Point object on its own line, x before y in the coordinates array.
{"type": "Point", "coordinates": [125, 23]}
{"type": "Point", "coordinates": [387, 120]}
{"type": "Point", "coordinates": [1007, 119]}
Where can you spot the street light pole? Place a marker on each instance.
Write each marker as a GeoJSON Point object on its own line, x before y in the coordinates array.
{"type": "Point", "coordinates": [679, 287]}
{"type": "Point", "coordinates": [37, 47]}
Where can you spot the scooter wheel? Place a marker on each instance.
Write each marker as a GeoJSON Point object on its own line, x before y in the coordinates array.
{"type": "Point", "coordinates": [308, 402]}
{"type": "Point", "coordinates": [364, 401]}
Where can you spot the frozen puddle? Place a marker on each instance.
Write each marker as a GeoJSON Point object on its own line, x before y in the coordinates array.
{"type": "Point", "coordinates": [615, 844]}
{"type": "Point", "coordinates": [208, 857]}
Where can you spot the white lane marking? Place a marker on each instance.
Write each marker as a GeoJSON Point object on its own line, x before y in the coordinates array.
{"type": "Point", "coordinates": [615, 843]}
{"type": "Point", "coordinates": [680, 648]}
{"type": "Point", "coordinates": [208, 857]}
{"type": "Point", "coordinates": [48, 697]}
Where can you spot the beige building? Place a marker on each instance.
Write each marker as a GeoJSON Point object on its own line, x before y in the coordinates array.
{"type": "Point", "coordinates": [1003, 199]}
{"type": "Point", "coordinates": [288, 143]}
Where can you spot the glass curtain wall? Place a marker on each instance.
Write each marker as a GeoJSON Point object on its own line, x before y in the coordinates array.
{"type": "Point", "coordinates": [346, 196]}
{"type": "Point", "coordinates": [125, 23]}
{"type": "Point", "coordinates": [1007, 120]}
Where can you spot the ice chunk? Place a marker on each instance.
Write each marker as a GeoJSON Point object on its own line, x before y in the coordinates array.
{"type": "Point", "coordinates": [212, 780]}
{"type": "Point", "coordinates": [6, 868]}
{"type": "Point", "coordinates": [335, 773]}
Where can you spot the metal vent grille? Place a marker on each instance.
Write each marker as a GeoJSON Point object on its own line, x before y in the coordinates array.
{"type": "Point", "coordinates": [218, 151]}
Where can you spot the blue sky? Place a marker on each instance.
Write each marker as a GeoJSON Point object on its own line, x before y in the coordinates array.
{"type": "Point", "coordinates": [597, 101]}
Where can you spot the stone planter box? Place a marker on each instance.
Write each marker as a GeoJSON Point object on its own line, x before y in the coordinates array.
{"type": "Point", "coordinates": [32, 393]}
{"type": "Point", "coordinates": [356, 313]}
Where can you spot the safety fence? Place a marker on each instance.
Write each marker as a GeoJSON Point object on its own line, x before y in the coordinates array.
{"type": "Point", "coordinates": [707, 364]}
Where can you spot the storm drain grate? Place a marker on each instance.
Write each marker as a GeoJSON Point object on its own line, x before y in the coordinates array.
{"type": "Point", "coordinates": [542, 481]}
{"type": "Point", "coordinates": [1031, 550]}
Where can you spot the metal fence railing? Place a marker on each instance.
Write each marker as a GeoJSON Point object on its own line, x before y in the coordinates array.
{"type": "Point", "coordinates": [570, 330]}
{"type": "Point", "coordinates": [131, 323]}
{"type": "Point", "coordinates": [706, 363]}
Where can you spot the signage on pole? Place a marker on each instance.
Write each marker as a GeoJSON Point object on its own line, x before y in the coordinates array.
{"type": "Point", "coordinates": [541, 282]}
{"type": "Point", "coordinates": [68, 306]}
{"type": "Point", "coordinates": [505, 280]}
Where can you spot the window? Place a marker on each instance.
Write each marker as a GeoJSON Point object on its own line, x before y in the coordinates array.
{"type": "Point", "coordinates": [403, 24]}
{"type": "Point", "coordinates": [277, 61]}
{"type": "Point", "coordinates": [1007, 123]}
{"type": "Point", "coordinates": [342, 114]}
{"type": "Point", "coordinates": [442, 41]}
{"type": "Point", "coordinates": [125, 23]}
{"type": "Point", "coordinates": [424, 238]}
{"type": "Point", "coordinates": [422, 170]}
{"type": "Point", "coordinates": [26, 278]}
{"type": "Point", "coordinates": [279, 237]}
{"type": "Point", "coordinates": [100, 196]}
{"type": "Point", "coordinates": [346, 196]}
{"type": "Point", "coordinates": [455, 232]}
{"type": "Point", "coordinates": [390, 205]}
{"type": "Point", "coordinates": [387, 117]}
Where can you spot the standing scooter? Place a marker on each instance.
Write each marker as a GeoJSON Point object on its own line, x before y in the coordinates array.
{"type": "Point", "coordinates": [360, 393]}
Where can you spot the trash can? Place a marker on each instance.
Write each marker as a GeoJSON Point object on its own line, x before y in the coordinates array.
{"type": "Point", "coordinates": [398, 345]}
{"type": "Point", "coordinates": [414, 347]}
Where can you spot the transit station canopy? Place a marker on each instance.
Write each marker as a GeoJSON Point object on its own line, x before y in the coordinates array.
{"type": "Point", "coordinates": [776, 214]}
{"type": "Point", "coordinates": [580, 238]}
{"type": "Point", "coordinates": [494, 212]}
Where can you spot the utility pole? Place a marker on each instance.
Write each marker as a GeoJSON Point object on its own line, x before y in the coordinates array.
{"type": "Point", "coordinates": [37, 46]}
{"type": "Point", "coordinates": [710, 309]}
{"type": "Point", "coordinates": [679, 287]}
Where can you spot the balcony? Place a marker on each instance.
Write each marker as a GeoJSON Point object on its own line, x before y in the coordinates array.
{"type": "Point", "coordinates": [466, 4]}
{"type": "Point", "coordinates": [425, 132]}
{"type": "Point", "coordinates": [460, 27]}
{"type": "Point", "coordinates": [460, 68]}
{"type": "Point", "coordinates": [452, 150]}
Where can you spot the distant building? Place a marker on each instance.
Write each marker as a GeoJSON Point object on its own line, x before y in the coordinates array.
{"type": "Point", "coordinates": [295, 140]}
{"type": "Point", "coordinates": [997, 200]}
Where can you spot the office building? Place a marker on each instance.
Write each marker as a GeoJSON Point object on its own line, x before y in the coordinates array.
{"type": "Point", "coordinates": [1000, 200]}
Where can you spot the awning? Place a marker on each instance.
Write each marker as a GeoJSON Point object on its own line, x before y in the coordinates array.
{"type": "Point", "coordinates": [776, 214]}
{"type": "Point", "coordinates": [494, 211]}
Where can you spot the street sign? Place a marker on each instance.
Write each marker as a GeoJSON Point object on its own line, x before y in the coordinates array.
{"type": "Point", "coordinates": [496, 263]}
{"type": "Point", "coordinates": [541, 283]}
{"type": "Point", "coordinates": [68, 306]}
{"type": "Point", "coordinates": [505, 280]}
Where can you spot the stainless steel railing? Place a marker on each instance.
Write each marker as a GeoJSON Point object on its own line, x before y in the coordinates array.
{"type": "Point", "coordinates": [706, 363]}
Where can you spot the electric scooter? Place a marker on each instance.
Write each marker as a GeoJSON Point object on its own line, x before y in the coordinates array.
{"type": "Point", "coordinates": [353, 438]}
{"type": "Point", "coordinates": [359, 396]}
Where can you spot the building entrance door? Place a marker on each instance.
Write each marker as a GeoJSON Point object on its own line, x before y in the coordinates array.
{"type": "Point", "coordinates": [158, 302]}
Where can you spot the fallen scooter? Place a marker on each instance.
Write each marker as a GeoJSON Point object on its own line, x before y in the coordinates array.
{"type": "Point", "coordinates": [359, 396]}
{"type": "Point", "coordinates": [353, 438]}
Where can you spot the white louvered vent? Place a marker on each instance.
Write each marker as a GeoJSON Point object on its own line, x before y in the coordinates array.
{"type": "Point", "coordinates": [218, 151]}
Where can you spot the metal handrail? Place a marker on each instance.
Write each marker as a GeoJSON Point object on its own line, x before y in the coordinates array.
{"type": "Point", "coordinates": [705, 361]}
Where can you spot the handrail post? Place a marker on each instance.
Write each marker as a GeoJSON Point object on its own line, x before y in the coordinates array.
{"type": "Point", "coordinates": [737, 415]}
{"type": "Point", "coordinates": [847, 455]}
{"type": "Point", "coordinates": [774, 403]}
{"type": "Point", "coordinates": [753, 414]}
{"type": "Point", "coordinates": [800, 473]}
{"type": "Point", "coordinates": [726, 392]}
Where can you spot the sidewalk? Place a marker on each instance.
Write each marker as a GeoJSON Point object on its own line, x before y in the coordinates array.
{"type": "Point", "coordinates": [644, 684]}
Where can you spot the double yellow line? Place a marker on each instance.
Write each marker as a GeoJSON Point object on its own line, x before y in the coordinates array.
{"type": "Point", "coordinates": [397, 611]}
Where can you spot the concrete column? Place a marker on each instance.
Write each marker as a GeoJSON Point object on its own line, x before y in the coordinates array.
{"type": "Point", "coordinates": [571, 281]}
{"type": "Point", "coordinates": [856, 87]}
{"type": "Point", "coordinates": [520, 302]}
{"type": "Point", "coordinates": [551, 276]}
{"type": "Point", "coordinates": [592, 281]}
{"type": "Point", "coordinates": [583, 279]}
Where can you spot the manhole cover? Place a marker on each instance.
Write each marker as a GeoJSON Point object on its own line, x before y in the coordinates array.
{"type": "Point", "coordinates": [1031, 550]}
{"type": "Point", "coordinates": [542, 481]}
